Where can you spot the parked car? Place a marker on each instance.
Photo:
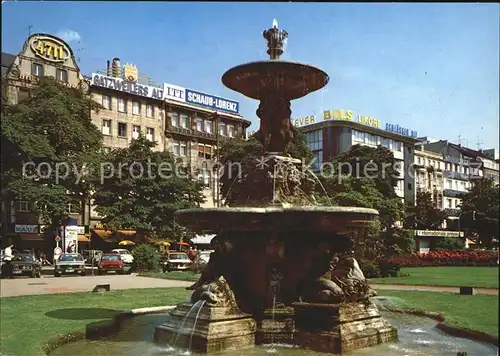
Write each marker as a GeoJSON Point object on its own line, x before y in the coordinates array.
{"type": "Point", "coordinates": [111, 262]}
{"type": "Point", "coordinates": [70, 263]}
{"type": "Point", "coordinates": [124, 254]}
{"type": "Point", "coordinates": [175, 261]}
{"type": "Point", "coordinates": [24, 264]}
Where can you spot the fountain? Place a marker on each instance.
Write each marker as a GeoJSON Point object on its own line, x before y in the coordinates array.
{"type": "Point", "coordinates": [282, 270]}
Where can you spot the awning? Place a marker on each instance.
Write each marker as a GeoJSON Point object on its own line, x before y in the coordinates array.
{"type": "Point", "coordinates": [470, 242]}
{"type": "Point", "coordinates": [107, 234]}
{"type": "Point", "coordinates": [31, 237]}
{"type": "Point", "coordinates": [83, 238]}
{"type": "Point", "coordinates": [202, 239]}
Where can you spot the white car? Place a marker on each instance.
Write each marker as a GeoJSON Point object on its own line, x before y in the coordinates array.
{"type": "Point", "coordinates": [125, 255]}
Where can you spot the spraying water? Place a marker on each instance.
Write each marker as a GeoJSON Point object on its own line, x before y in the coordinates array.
{"type": "Point", "coordinates": [193, 308]}
{"type": "Point", "coordinates": [194, 325]}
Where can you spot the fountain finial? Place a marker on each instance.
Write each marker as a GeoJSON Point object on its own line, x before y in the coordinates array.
{"type": "Point", "coordinates": [275, 40]}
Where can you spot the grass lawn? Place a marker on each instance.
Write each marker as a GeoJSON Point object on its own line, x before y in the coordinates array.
{"type": "Point", "coordinates": [28, 322]}
{"type": "Point", "coordinates": [475, 312]}
{"type": "Point", "coordinates": [178, 275]}
{"type": "Point", "coordinates": [486, 277]}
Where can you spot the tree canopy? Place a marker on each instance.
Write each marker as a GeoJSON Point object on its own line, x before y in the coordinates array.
{"type": "Point", "coordinates": [424, 215]}
{"type": "Point", "coordinates": [141, 189]}
{"type": "Point", "coordinates": [47, 139]}
{"type": "Point", "coordinates": [482, 198]}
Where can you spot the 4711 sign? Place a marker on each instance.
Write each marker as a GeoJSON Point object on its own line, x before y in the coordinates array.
{"type": "Point", "coordinates": [50, 49]}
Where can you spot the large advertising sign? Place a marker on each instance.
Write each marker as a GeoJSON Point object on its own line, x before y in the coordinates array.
{"type": "Point", "coordinates": [50, 48]}
{"type": "Point", "coordinates": [174, 92]}
{"type": "Point", "coordinates": [71, 239]}
{"type": "Point", "coordinates": [119, 84]}
{"type": "Point", "coordinates": [212, 102]}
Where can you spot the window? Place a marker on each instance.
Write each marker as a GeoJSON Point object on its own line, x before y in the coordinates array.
{"type": "Point", "coordinates": [208, 126]}
{"type": "Point", "coordinates": [22, 206]}
{"type": "Point", "coordinates": [199, 124]}
{"type": "Point", "coordinates": [184, 121]}
{"type": "Point", "coordinates": [122, 129]}
{"type": "Point", "coordinates": [37, 69]}
{"type": "Point", "coordinates": [419, 161]}
{"type": "Point", "coordinates": [136, 108]}
{"type": "Point", "coordinates": [136, 131]}
{"type": "Point", "coordinates": [222, 129]}
{"type": "Point", "coordinates": [122, 105]}
{"type": "Point", "coordinates": [449, 203]}
{"type": "Point", "coordinates": [179, 148]}
{"type": "Point", "coordinates": [409, 149]}
{"type": "Point", "coordinates": [204, 151]}
{"type": "Point", "coordinates": [150, 133]}
{"type": "Point", "coordinates": [449, 184]}
{"type": "Point", "coordinates": [150, 111]}
{"type": "Point", "coordinates": [106, 102]}
{"type": "Point", "coordinates": [62, 75]}
{"type": "Point", "coordinates": [106, 127]}
{"type": "Point", "coordinates": [230, 130]}
{"type": "Point", "coordinates": [409, 186]}
{"type": "Point", "coordinates": [175, 119]}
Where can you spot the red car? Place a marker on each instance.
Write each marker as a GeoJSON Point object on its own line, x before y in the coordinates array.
{"type": "Point", "coordinates": [111, 262]}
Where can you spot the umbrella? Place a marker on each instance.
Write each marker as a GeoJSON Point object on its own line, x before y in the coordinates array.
{"type": "Point", "coordinates": [126, 243]}
{"type": "Point", "coordinates": [162, 243]}
{"type": "Point", "coordinates": [182, 243]}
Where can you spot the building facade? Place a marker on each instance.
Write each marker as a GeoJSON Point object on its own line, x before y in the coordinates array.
{"type": "Point", "coordinates": [429, 167]}
{"type": "Point", "coordinates": [340, 129]}
{"type": "Point", "coordinates": [186, 122]}
{"type": "Point", "coordinates": [41, 55]}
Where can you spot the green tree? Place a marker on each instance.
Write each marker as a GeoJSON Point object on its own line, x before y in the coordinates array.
{"type": "Point", "coordinates": [51, 130]}
{"type": "Point", "coordinates": [482, 198]}
{"type": "Point", "coordinates": [424, 215]}
{"type": "Point", "coordinates": [141, 189]}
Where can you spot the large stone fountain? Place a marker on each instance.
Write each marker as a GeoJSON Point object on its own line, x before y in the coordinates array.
{"type": "Point", "coordinates": [283, 269]}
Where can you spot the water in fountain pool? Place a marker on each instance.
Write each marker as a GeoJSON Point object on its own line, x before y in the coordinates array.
{"type": "Point", "coordinates": [417, 337]}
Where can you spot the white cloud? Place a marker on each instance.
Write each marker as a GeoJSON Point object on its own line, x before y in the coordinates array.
{"type": "Point", "coordinates": [69, 35]}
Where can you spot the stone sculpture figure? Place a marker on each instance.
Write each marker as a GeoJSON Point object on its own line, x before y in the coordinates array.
{"type": "Point", "coordinates": [275, 126]}
{"type": "Point", "coordinates": [215, 294]}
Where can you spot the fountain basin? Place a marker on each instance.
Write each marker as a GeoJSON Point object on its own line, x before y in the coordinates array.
{"type": "Point", "coordinates": [333, 220]}
{"type": "Point", "coordinates": [262, 79]}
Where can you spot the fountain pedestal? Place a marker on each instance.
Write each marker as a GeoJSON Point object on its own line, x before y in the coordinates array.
{"type": "Point", "coordinates": [340, 328]}
{"type": "Point", "coordinates": [277, 326]}
{"type": "Point", "coordinates": [214, 329]}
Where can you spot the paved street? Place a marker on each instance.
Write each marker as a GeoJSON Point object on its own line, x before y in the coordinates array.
{"type": "Point", "coordinates": [65, 284]}
{"type": "Point", "coordinates": [430, 288]}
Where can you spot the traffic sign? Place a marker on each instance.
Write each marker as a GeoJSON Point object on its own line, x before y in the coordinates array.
{"type": "Point", "coordinates": [58, 238]}
{"type": "Point", "coordinates": [57, 250]}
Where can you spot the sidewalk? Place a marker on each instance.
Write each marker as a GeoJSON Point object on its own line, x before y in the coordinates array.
{"type": "Point", "coordinates": [491, 291]}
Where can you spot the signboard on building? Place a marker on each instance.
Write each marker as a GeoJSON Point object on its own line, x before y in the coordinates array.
{"type": "Point", "coordinates": [125, 86]}
{"type": "Point", "coordinates": [401, 130]}
{"type": "Point", "coordinates": [174, 92]}
{"type": "Point", "coordinates": [212, 102]}
{"type": "Point", "coordinates": [439, 233]}
{"type": "Point", "coordinates": [50, 48]}
{"type": "Point", "coordinates": [26, 229]}
{"type": "Point", "coordinates": [302, 121]}
{"type": "Point", "coordinates": [348, 115]}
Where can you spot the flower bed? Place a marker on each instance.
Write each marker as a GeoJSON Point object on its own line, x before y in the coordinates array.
{"type": "Point", "coordinates": [448, 258]}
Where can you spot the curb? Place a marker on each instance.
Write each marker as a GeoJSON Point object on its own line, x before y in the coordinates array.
{"type": "Point", "coordinates": [450, 330]}
{"type": "Point", "coordinates": [103, 329]}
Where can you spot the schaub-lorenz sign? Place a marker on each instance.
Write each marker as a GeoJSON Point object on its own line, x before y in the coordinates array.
{"type": "Point", "coordinates": [119, 84]}
{"type": "Point", "coordinates": [212, 102]}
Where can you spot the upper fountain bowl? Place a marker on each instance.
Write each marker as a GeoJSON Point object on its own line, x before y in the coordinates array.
{"type": "Point", "coordinates": [263, 79]}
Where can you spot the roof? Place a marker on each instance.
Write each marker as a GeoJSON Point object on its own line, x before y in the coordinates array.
{"type": "Point", "coordinates": [358, 126]}
{"type": "Point", "coordinates": [468, 152]}
{"type": "Point", "coordinates": [202, 239]}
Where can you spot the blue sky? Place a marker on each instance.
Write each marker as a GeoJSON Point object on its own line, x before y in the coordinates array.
{"type": "Point", "coordinates": [433, 68]}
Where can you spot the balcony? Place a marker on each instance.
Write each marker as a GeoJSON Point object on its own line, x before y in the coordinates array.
{"type": "Point", "coordinates": [456, 175]}
{"type": "Point", "coordinates": [190, 133]}
{"type": "Point", "coordinates": [453, 193]}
